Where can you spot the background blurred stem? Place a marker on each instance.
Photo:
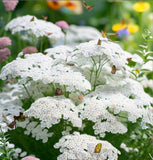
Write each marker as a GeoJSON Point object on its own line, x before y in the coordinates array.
{"type": "Point", "coordinates": [141, 27]}
{"type": "Point", "coordinates": [9, 16]}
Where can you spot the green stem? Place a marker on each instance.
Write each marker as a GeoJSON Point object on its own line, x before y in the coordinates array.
{"type": "Point", "coordinates": [8, 19]}
{"type": "Point", "coordinates": [41, 44]}
{"type": "Point", "coordinates": [19, 43]}
{"type": "Point", "coordinates": [27, 91]}
{"type": "Point", "coordinates": [141, 27]}
{"type": "Point", "coordinates": [65, 37]}
{"type": "Point", "coordinates": [98, 69]}
{"type": "Point", "coordinates": [9, 16]}
{"type": "Point", "coordinates": [101, 66]}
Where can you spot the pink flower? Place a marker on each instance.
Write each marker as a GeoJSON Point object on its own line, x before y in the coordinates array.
{"type": "Point", "coordinates": [4, 53]}
{"type": "Point", "coordinates": [4, 41]}
{"type": "Point", "coordinates": [62, 24]}
{"type": "Point", "coordinates": [10, 4]}
{"type": "Point", "coordinates": [29, 50]}
{"type": "Point", "coordinates": [30, 158]}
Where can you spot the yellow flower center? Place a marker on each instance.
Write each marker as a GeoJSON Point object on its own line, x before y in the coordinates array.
{"type": "Point", "coordinates": [137, 71]}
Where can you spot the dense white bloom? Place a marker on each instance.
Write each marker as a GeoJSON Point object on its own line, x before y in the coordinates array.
{"type": "Point", "coordinates": [10, 104]}
{"type": "Point", "coordinates": [40, 67]}
{"type": "Point", "coordinates": [107, 49]}
{"type": "Point", "coordinates": [82, 147]}
{"type": "Point", "coordinates": [51, 110]}
{"type": "Point", "coordinates": [97, 62]}
{"type": "Point", "coordinates": [94, 109]}
{"type": "Point", "coordinates": [34, 27]}
{"type": "Point", "coordinates": [76, 34]}
{"type": "Point", "coordinates": [59, 52]}
{"type": "Point", "coordinates": [129, 99]}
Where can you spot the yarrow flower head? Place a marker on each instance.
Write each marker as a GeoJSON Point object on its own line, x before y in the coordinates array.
{"type": "Point", "coordinates": [62, 24]}
{"type": "Point", "coordinates": [4, 42]}
{"type": "Point", "coordinates": [30, 158]}
{"type": "Point", "coordinates": [33, 26]}
{"type": "Point", "coordinates": [59, 52]}
{"type": "Point", "coordinates": [4, 54]}
{"type": "Point", "coordinates": [10, 4]}
{"type": "Point", "coordinates": [85, 147]}
{"type": "Point", "coordinates": [141, 6]}
{"type": "Point", "coordinates": [50, 111]}
{"type": "Point", "coordinates": [39, 67]}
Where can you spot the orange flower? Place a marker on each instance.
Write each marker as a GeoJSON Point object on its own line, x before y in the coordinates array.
{"type": "Point", "coordinates": [70, 5]}
{"type": "Point", "coordinates": [54, 4]}
{"type": "Point", "coordinates": [141, 6]}
{"type": "Point", "coordinates": [73, 5]}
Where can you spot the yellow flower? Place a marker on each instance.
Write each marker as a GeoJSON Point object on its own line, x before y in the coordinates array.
{"type": "Point", "coordinates": [118, 26]}
{"type": "Point", "coordinates": [133, 28]}
{"type": "Point", "coordinates": [141, 6]}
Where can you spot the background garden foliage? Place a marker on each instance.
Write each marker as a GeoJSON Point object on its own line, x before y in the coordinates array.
{"type": "Point", "coordinates": [76, 80]}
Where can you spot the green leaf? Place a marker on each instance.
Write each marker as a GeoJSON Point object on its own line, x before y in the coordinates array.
{"type": "Point", "coordinates": [2, 150]}
{"type": "Point", "coordinates": [150, 75]}
{"type": "Point", "coordinates": [132, 64]}
{"type": "Point", "coordinates": [149, 54]}
{"type": "Point", "coordinates": [147, 60]}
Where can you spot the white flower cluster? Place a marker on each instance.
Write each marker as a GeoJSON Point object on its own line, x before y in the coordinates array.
{"type": "Point", "coordinates": [83, 147]}
{"type": "Point", "coordinates": [96, 60]}
{"type": "Point", "coordinates": [10, 104]}
{"type": "Point", "coordinates": [59, 52]}
{"type": "Point", "coordinates": [40, 67]}
{"type": "Point", "coordinates": [33, 26]}
{"type": "Point", "coordinates": [95, 110]}
{"type": "Point", "coordinates": [50, 110]}
{"type": "Point", "coordinates": [77, 34]}
{"type": "Point", "coordinates": [106, 49]}
{"type": "Point", "coordinates": [129, 99]}
{"type": "Point", "coordinates": [34, 128]}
